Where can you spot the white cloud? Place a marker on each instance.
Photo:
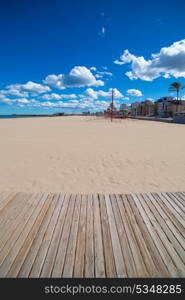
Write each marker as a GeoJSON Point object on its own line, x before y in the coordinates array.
{"type": "Point", "coordinates": [106, 73]}
{"type": "Point", "coordinates": [54, 96]}
{"type": "Point", "coordinates": [77, 77]}
{"type": "Point", "coordinates": [14, 92]}
{"type": "Point", "coordinates": [117, 93]}
{"type": "Point", "coordinates": [5, 100]}
{"type": "Point", "coordinates": [100, 74]}
{"type": "Point", "coordinates": [22, 101]}
{"type": "Point", "coordinates": [69, 96]}
{"type": "Point", "coordinates": [74, 101]}
{"type": "Point", "coordinates": [30, 86]}
{"type": "Point", "coordinates": [55, 81]}
{"type": "Point", "coordinates": [91, 94]}
{"type": "Point", "coordinates": [73, 104]}
{"type": "Point", "coordinates": [102, 31]}
{"type": "Point", "coordinates": [134, 92]}
{"type": "Point", "coordinates": [93, 69]}
{"type": "Point", "coordinates": [170, 61]}
{"type": "Point", "coordinates": [90, 99]}
{"type": "Point", "coordinates": [126, 98]}
{"type": "Point", "coordinates": [17, 101]}
{"type": "Point", "coordinates": [119, 62]}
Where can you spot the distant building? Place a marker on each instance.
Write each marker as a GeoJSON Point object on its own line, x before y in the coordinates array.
{"type": "Point", "coordinates": [58, 114]}
{"type": "Point", "coordinates": [145, 108]}
{"type": "Point", "coordinates": [168, 106]}
{"type": "Point", "coordinates": [135, 109]}
{"type": "Point", "coordinates": [163, 105]}
{"type": "Point", "coordinates": [86, 113]}
{"type": "Point", "coordinates": [123, 106]}
{"type": "Point", "coordinates": [124, 110]}
{"type": "Point", "coordinates": [99, 113]}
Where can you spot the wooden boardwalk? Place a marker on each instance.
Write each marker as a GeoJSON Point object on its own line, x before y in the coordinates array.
{"type": "Point", "coordinates": [57, 235]}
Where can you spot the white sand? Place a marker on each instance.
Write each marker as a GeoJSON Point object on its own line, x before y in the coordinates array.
{"type": "Point", "coordinates": [84, 154]}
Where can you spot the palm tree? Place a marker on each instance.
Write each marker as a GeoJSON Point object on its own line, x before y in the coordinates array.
{"type": "Point", "coordinates": [176, 87]}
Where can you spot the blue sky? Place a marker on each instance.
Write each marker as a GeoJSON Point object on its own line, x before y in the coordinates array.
{"type": "Point", "coordinates": [66, 55]}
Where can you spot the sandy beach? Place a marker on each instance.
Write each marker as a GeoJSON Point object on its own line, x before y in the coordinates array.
{"type": "Point", "coordinates": [89, 155]}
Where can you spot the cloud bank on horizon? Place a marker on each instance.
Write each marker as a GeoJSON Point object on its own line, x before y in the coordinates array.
{"type": "Point", "coordinates": [33, 94]}
{"type": "Point", "coordinates": [45, 95]}
{"type": "Point", "coordinates": [169, 62]}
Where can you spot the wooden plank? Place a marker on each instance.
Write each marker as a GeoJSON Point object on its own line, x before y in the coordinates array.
{"type": "Point", "coordinates": [166, 226]}
{"type": "Point", "coordinates": [7, 223]}
{"type": "Point", "coordinates": [40, 258]}
{"type": "Point", "coordinates": [60, 257]}
{"type": "Point", "coordinates": [14, 244]}
{"type": "Point", "coordinates": [98, 244]}
{"type": "Point", "coordinates": [181, 198]}
{"type": "Point", "coordinates": [173, 206]}
{"type": "Point", "coordinates": [24, 250]}
{"type": "Point", "coordinates": [136, 235]}
{"type": "Point", "coordinates": [167, 201]}
{"type": "Point", "coordinates": [174, 217]}
{"type": "Point", "coordinates": [6, 201]}
{"type": "Point", "coordinates": [9, 212]}
{"type": "Point", "coordinates": [110, 267]}
{"type": "Point", "coordinates": [31, 258]}
{"type": "Point", "coordinates": [4, 196]}
{"type": "Point", "coordinates": [126, 251]}
{"type": "Point", "coordinates": [140, 268]}
{"type": "Point", "coordinates": [162, 270]}
{"type": "Point", "coordinates": [79, 265]}
{"type": "Point", "coordinates": [144, 250]}
{"type": "Point", "coordinates": [89, 249]}
{"type": "Point", "coordinates": [118, 256]}
{"type": "Point", "coordinates": [171, 244]}
{"type": "Point", "coordinates": [15, 230]}
{"type": "Point", "coordinates": [70, 254]}
{"type": "Point", "coordinates": [169, 247]}
{"type": "Point", "coordinates": [147, 218]}
{"type": "Point", "coordinates": [54, 245]}
{"type": "Point", "coordinates": [164, 219]}
{"type": "Point", "coordinates": [177, 199]}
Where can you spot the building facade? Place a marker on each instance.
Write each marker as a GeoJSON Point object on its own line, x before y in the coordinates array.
{"type": "Point", "coordinates": [145, 108]}
{"type": "Point", "coordinates": [163, 108]}
{"type": "Point", "coordinates": [169, 107]}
